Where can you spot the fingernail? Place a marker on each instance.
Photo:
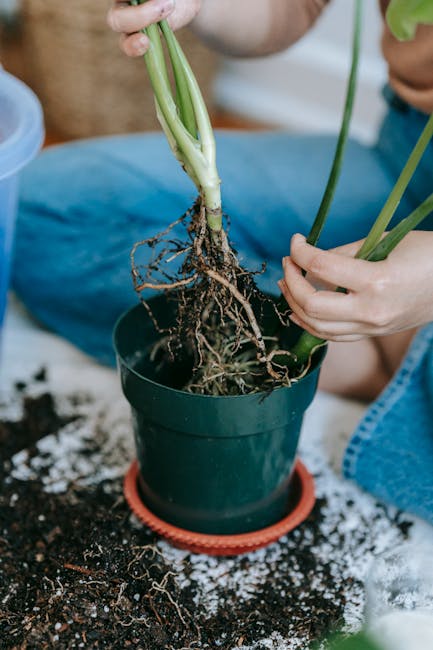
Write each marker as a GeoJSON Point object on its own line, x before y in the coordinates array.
{"type": "Point", "coordinates": [141, 44]}
{"type": "Point", "coordinates": [298, 238]}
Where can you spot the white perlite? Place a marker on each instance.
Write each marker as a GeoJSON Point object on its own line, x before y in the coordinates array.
{"type": "Point", "coordinates": [98, 447]}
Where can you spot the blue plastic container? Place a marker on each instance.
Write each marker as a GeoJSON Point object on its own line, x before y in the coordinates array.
{"type": "Point", "coordinates": [21, 135]}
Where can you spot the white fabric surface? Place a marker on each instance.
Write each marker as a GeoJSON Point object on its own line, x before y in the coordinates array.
{"type": "Point", "coordinates": [327, 427]}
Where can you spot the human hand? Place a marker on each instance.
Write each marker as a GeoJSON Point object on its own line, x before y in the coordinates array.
{"type": "Point", "coordinates": [382, 297]}
{"type": "Point", "coordinates": [129, 20]}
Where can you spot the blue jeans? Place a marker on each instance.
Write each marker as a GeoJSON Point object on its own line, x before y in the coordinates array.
{"type": "Point", "coordinates": [84, 204]}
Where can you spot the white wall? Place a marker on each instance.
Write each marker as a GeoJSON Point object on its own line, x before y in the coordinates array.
{"type": "Point", "coordinates": [304, 88]}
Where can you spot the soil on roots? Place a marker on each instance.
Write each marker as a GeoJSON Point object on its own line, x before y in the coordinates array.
{"type": "Point", "coordinates": [219, 310]}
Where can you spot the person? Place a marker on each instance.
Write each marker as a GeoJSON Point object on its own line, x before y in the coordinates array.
{"type": "Point", "coordinates": [84, 204]}
{"type": "Point", "coordinates": [380, 313]}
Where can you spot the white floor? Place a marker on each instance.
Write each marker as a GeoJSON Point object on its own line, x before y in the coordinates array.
{"type": "Point", "coordinates": [356, 533]}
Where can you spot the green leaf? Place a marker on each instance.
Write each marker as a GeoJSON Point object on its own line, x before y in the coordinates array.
{"type": "Point", "coordinates": [404, 16]}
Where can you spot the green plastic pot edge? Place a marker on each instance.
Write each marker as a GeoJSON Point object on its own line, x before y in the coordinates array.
{"type": "Point", "coordinates": [206, 409]}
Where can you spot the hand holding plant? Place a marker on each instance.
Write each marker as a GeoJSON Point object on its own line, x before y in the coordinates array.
{"type": "Point", "coordinates": [129, 20]}
{"type": "Point", "coordinates": [382, 298]}
{"type": "Point", "coordinates": [403, 17]}
{"type": "Point", "coordinates": [217, 319]}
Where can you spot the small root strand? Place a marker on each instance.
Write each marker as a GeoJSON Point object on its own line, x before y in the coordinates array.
{"type": "Point", "coordinates": [218, 311]}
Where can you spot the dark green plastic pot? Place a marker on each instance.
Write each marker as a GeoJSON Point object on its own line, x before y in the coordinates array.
{"type": "Point", "coordinates": [216, 465]}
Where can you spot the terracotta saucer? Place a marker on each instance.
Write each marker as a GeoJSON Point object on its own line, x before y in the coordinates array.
{"type": "Point", "coordinates": [224, 544]}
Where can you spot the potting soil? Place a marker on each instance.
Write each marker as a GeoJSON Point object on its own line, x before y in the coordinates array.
{"type": "Point", "coordinates": [77, 570]}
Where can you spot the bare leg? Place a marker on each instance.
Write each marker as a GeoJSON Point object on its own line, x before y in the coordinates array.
{"type": "Point", "coordinates": [353, 370]}
{"type": "Point", "coordinates": [393, 348]}
{"type": "Point", "coordinates": [362, 369]}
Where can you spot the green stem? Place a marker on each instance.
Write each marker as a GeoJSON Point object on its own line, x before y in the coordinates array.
{"type": "Point", "coordinates": [334, 175]}
{"type": "Point", "coordinates": [185, 120]}
{"type": "Point", "coordinates": [374, 249]}
{"type": "Point", "coordinates": [183, 98]}
{"type": "Point", "coordinates": [304, 348]}
{"type": "Point", "coordinates": [394, 198]}
{"type": "Point", "coordinates": [335, 172]}
{"type": "Point", "coordinates": [394, 237]}
{"type": "Point", "coordinates": [174, 146]}
{"type": "Point", "coordinates": [307, 343]}
{"type": "Point", "coordinates": [157, 71]}
{"type": "Point", "coordinates": [209, 179]}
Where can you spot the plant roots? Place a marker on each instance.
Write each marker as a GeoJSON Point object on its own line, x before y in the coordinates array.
{"type": "Point", "coordinates": [219, 310]}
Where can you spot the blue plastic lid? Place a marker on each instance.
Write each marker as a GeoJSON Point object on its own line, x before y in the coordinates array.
{"type": "Point", "coordinates": [21, 124]}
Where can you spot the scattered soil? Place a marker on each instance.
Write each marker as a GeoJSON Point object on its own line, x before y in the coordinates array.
{"type": "Point", "coordinates": [78, 571]}
{"type": "Point", "coordinates": [39, 418]}
{"type": "Point", "coordinates": [75, 573]}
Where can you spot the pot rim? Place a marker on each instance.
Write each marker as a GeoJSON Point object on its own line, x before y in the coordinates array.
{"type": "Point", "coordinates": [259, 394]}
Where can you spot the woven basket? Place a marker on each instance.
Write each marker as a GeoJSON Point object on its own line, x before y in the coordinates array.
{"type": "Point", "coordinates": [86, 84]}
